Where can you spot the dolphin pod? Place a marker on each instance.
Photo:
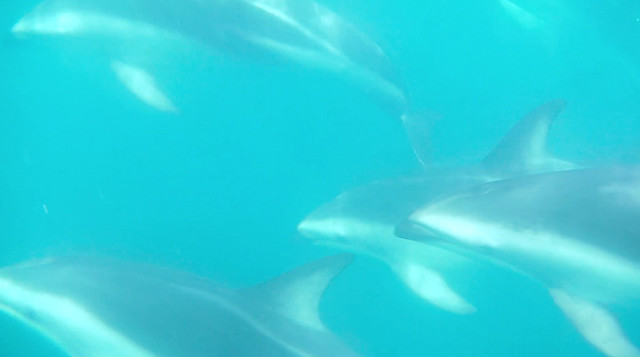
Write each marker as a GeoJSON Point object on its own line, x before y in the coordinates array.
{"type": "Point", "coordinates": [572, 228]}
{"type": "Point", "coordinates": [299, 31]}
{"type": "Point", "coordinates": [100, 307]}
{"type": "Point", "coordinates": [574, 231]}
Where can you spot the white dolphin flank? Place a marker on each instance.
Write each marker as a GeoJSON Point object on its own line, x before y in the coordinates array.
{"type": "Point", "coordinates": [75, 326]}
{"type": "Point", "coordinates": [96, 307]}
{"type": "Point", "coordinates": [578, 232]}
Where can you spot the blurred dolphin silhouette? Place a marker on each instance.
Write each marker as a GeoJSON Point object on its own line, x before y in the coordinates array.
{"type": "Point", "coordinates": [299, 31]}
{"type": "Point", "coordinates": [100, 308]}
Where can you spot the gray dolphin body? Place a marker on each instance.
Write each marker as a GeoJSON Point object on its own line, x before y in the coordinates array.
{"type": "Point", "coordinates": [578, 232]}
{"type": "Point", "coordinates": [103, 308]}
{"type": "Point", "coordinates": [295, 30]}
{"type": "Point", "coordinates": [363, 220]}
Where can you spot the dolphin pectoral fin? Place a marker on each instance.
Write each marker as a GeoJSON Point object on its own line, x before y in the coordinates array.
{"type": "Point", "coordinates": [596, 325]}
{"type": "Point", "coordinates": [431, 286]}
{"type": "Point", "coordinates": [143, 85]}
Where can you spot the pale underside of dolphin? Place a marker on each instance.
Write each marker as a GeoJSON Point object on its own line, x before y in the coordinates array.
{"type": "Point", "coordinates": [294, 30]}
{"type": "Point", "coordinates": [578, 232]}
{"type": "Point", "coordinates": [363, 220]}
{"type": "Point", "coordinates": [99, 308]}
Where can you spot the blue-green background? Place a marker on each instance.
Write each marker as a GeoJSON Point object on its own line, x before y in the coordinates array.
{"type": "Point", "coordinates": [219, 189]}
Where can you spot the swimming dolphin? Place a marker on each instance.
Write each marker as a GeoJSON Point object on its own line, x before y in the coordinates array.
{"type": "Point", "coordinates": [363, 220]}
{"type": "Point", "coordinates": [301, 31]}
{"type": "Point", "coordinates": [100, 308]}
{"type": "Point", "coordinates": [577, 232]}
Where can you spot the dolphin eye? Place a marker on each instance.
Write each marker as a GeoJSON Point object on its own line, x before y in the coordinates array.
{"type": "Point", "coordinates": [30, 314]}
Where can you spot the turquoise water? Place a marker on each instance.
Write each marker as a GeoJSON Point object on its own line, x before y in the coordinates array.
{"type": "Point", "coordinates": [219, 188]}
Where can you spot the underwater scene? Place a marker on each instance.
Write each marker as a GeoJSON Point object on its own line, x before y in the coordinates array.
{"type": "Point", "coordinates": [319, 178]}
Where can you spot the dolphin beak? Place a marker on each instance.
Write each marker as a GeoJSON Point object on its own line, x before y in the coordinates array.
{"type": "Point", "coordinates": [18, 29]}
{"type": "Point", "coordinates": [305, 229]}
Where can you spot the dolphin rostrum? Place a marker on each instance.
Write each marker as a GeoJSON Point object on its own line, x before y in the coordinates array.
{"type": "Point", "coordinates": [362, 220]}
{"type": "Point", "coordinates": [99, 308]}
{"type": "Point", "coordinates": [575, 231]}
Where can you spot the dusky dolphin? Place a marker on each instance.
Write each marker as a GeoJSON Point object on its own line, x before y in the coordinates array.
{"type": "Point", "coordinates": [363, 220]}
{"type": "Point", "coordinates": [103, 308]}
{"type": "Point", "coordinates": [301, 31]}
{"type": "Point", "coordinates": [577, 232]}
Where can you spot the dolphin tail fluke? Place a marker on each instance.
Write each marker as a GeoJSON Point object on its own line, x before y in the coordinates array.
{"type": "Point", "coordinates": [297, 293]}
{"type": "Point", "coordinates": [431, 286]}
{"type": "Point", "coordinates": [596, 325]}
{"type": "Point", "coordinates": [418, 124]}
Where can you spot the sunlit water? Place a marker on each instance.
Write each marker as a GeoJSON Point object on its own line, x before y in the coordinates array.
{"type": "Point", "coordinates": [219, 188]}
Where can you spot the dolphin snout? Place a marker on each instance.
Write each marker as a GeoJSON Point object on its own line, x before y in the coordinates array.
{"type": "Point", "coordinates": [306, 229]}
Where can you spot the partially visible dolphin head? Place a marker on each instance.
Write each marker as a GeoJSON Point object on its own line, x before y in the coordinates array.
{"type": "Point", "coordinates": [320, 224]}
{"type": "Point", "coordinates": [60, 18]}
{"type": "Point", "coordinates": [574, 231]}
{"type": "Point", "coordinates": [40, 21]}
{"type": "Point", "coordinates": [47, 19]}
{"type": "Point", "coordinates": [19, 303]}
{"type": "Point", "coordinates": [364, 213]}
{"type": "Point", "coordinates": [65, 321]}
{"type": "Point", "coordinates": [554, 225]}
{"type": "Point", "coordinates": [324, 227]}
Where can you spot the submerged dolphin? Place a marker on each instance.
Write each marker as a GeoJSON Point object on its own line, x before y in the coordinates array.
{"type": "Point", "coordinates": [295, 30]}
{"type": "Point", "coordinates": [363, 220]}
{"type": "Point", "coordinates": [578, 232]}
{"type": "Point", "coordinates": [102, 308]}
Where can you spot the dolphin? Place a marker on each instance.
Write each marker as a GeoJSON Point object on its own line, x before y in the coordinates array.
{"type": "Point", "coordinates": [363, 220]}
{"type": "Point", "coordinates": [100, 308]}
{"type": "Point", "coordinates": [299, 31]}
{"type": "Point", "coordinates": [577, 232]}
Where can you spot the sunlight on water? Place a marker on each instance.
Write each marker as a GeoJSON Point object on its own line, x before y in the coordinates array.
{"type": "Point", "coordinates": [194, 178]}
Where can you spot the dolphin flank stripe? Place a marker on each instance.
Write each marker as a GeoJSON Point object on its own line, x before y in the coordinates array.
{"type": "Point", "coordinates": [103, 342]}
{"type": "Point", "coordinates": [577, 232]}
{"type": "Point", "coordinates": [101, 308]}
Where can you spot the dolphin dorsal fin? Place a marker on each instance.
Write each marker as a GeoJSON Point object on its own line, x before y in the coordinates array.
{"type": "Point", "coordinates": [523, 149]}
{"type": "Point", "coordinates": [296, 294]}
